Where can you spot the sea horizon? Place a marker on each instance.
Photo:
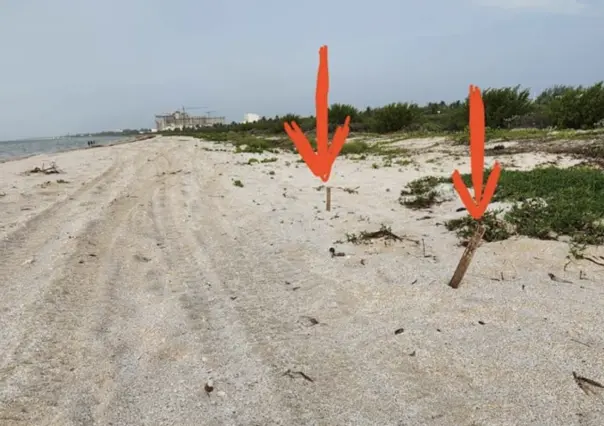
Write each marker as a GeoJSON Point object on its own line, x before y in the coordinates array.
{"type": "Point", "coordinates": [19, 148]}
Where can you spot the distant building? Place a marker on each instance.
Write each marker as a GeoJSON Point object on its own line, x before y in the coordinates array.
{"type": "Point", "coordinates": [179, 119]}
{"type": "Point", "coordinates": [250, 117]}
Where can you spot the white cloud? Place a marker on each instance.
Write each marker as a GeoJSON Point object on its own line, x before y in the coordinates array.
{"type": "Point", "coordinates": [571, 7]}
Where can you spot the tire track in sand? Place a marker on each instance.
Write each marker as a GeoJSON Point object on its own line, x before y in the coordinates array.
{"type": "Point", "coordinates": [254, 272]}
{"type": "Point", "coordinates": [213, 323]}
{"type": "Point", "coordinates": [67, 347]}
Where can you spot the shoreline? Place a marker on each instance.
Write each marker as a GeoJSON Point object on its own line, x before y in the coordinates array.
{"type": "Point", "coordinates": [116, 142]}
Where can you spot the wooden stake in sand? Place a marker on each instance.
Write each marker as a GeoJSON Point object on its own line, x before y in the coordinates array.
{"type": "Point", "coordinates": [467, 256]}
{"type": "Point", "coordinates": [328, 199]}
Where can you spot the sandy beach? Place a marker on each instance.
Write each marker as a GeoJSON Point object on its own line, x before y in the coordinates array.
{"type": "Point", "coordinates": [145, 270]}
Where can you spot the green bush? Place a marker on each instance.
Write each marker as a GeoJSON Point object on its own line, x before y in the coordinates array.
{"type": "Point", "coordinates": [562, 107]}
{"type": "Point", "coordinates": [395, 117]}
{"type": "Point", "coordinates": [550, 201]}
{"type": "Point", "coordinates": [355, 147]}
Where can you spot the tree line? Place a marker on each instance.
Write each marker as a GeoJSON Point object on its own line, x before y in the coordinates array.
{"type": "Point", "coordinates": [559, 107]}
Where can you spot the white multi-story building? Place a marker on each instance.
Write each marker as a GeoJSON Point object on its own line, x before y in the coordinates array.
{"type": "Point", "coordinates": [250, 117]}
{"type": "Point", "coordinates": [178, 120]}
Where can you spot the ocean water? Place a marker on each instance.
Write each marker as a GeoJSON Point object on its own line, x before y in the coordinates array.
{"type": "Point", "coordinates": [27, 147]}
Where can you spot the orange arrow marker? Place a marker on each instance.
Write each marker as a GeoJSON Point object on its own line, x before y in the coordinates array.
{"type": "Point", "coordinates": [320, 162]}
{"type": "Point", "coordinates": [477, 206]}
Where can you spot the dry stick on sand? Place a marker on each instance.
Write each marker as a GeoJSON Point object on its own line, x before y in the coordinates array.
{"type": "Point", "coordinates": [328, 199]}
{"type": "Point", "coordinates": [52, 169]}
{"type": "Point", "coordinates": [466, 258]}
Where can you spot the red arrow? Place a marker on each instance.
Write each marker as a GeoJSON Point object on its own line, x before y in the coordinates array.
{"type": "Point", "coordinates": [477, 205]}
{"type": "Point", "coordinates": [320, 163]}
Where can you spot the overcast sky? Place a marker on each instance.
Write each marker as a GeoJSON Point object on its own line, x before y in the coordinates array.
{"type": "Point", "coordinates": [90, 65]}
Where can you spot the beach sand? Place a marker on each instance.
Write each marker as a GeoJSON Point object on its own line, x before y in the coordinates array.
{"type": "Point", "coordinates": [148, 272]}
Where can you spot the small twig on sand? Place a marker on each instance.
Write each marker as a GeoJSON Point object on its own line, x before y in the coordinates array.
{"type": "Point", "coordinates": [557, 279]}
{"type": "Point", "coordinates": [580, 342]}
{"type": "Point", "coordinates": [52, 169]}
{"type": "Point", "coordinates": [382, 233]}
{"type": "Point", "coordinates": [501, 278]}
{"type": "Point", "coordinates": [292, 374]}
{"type": "Point", "coordinates": [586, 385]}
{"type": "Point", "coordinates": [591, 259]}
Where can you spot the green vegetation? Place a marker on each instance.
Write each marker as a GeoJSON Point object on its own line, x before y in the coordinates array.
{"type": "Point", "coordinates": [355, 147]}
{"type": "Point", "coordinates": [506, 109]}
{"type": "Point", "coordinates": [495, 228]}
{"type": "Point", "coordinates": [125, 132]}
{"type": "Point", "coordinates": [561, 112]}
{"type": "Point", "coordinates": [252, 161]}
{"type": "Point", "coordinates": [420, 193]}
{"type": "Point", "coordinates": [238, 183]}
{"type": "Point", "coordinates": [545, 203]}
